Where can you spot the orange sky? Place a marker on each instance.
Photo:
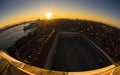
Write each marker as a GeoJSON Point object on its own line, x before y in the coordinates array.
{"type": "Point", "coordinates": [15, 11]}
{"type": "Point", "coordinates": [58, 14]}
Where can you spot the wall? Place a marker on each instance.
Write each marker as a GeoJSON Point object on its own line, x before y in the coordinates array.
{"type": "Point", "coordinates": [48, 64]}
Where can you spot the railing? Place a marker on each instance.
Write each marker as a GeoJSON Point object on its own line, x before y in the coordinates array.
{"type": "Point", "coordinates": [11, 66]}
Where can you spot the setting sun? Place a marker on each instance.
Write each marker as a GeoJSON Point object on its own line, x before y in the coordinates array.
{"type": "Point", "coordinates": [48, 15]}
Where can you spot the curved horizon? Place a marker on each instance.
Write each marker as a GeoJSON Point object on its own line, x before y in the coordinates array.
{"type": "Point", "coordinates": [15, 11]}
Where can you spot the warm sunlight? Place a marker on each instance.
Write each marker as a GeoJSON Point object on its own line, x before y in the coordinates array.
{"type": "Point", "coordinates": [48, 15]}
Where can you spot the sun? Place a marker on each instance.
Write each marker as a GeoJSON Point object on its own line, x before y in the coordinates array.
{"type": "Point", "coordinates": [48, 15]}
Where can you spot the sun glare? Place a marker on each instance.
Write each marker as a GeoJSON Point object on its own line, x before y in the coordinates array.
{"type": "Point", "coordinates": [48, 15]}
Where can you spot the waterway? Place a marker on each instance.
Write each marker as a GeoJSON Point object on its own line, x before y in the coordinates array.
{"type": "Point", "coordinates": [9, 36]}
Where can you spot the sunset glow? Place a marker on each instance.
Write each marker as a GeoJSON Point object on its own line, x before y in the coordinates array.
{"type": "Point", "coordinates": [101, 11]}
{"type": "Point", "coordinates": [48, 15]}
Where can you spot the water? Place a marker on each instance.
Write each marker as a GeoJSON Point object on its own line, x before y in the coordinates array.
{"type": "Point", "coordinates": [9, 36]}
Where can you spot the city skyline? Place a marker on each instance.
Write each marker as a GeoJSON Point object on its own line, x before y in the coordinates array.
{"type": "Point", "coordinates": [14, 11]}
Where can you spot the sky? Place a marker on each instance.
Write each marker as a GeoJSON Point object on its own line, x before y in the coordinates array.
{"type": "Point", "coordinates": [14, 11]}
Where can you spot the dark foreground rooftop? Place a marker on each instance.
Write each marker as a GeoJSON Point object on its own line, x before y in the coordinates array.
{"type": "Point", "coordinates": [76, 54]}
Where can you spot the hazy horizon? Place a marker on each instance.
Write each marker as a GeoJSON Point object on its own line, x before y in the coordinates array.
{"type": "Point", "coordinates": [105, 11]}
